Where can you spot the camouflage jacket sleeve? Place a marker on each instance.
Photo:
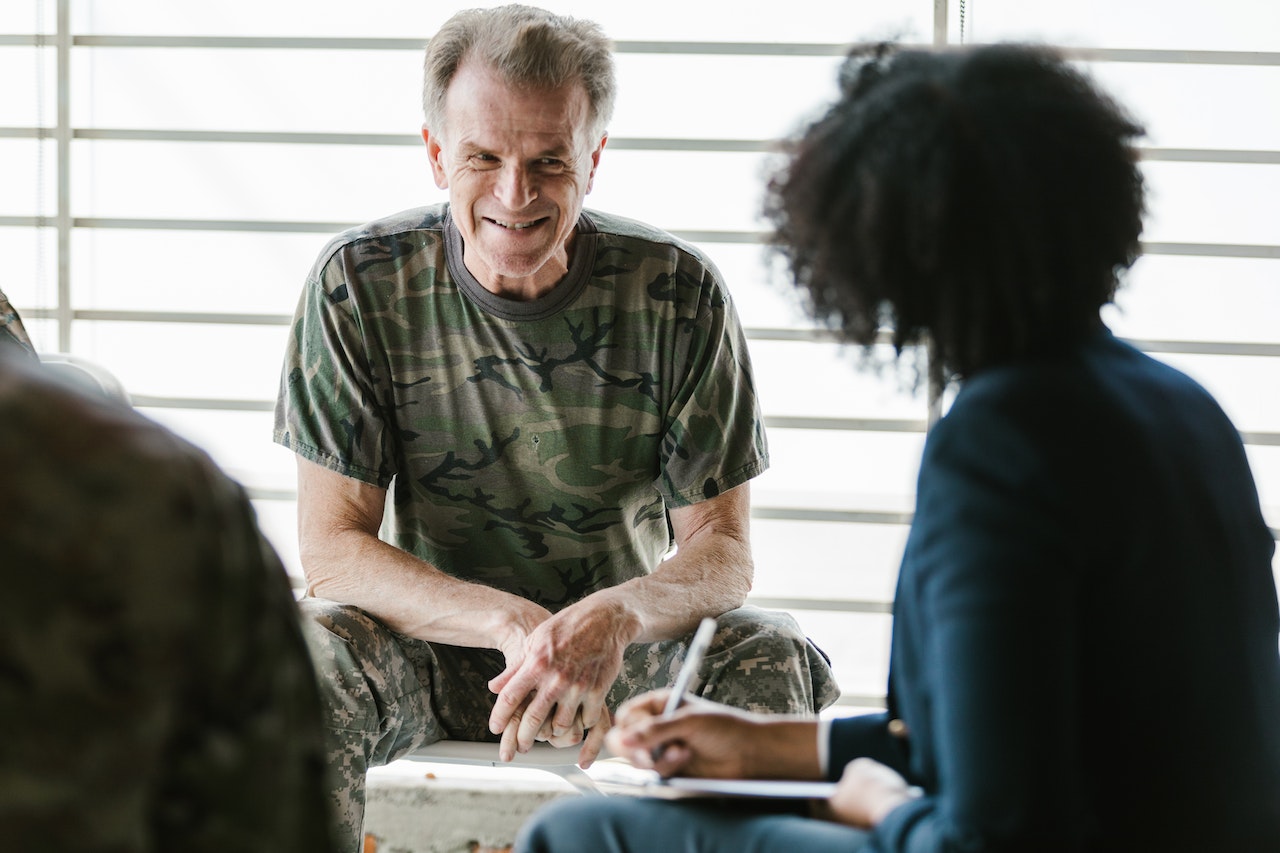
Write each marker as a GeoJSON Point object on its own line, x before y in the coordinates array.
{"type": "Point", "coordinates": [253, 754]}
{"type": "Point", "coordinates": [153, 678]}
{"type": "Point", "coordinates": [11, 328]}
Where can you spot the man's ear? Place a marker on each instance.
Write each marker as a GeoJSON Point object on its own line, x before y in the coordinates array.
{"type": "Point", "coordinates": [595, 161]}
{"type": "Point", "coordinates": [435, 154]}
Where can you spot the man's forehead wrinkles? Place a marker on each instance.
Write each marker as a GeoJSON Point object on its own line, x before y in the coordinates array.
{"type": "Point", "coordinates": [557, 143]}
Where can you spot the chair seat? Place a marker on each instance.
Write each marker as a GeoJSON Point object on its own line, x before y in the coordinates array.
{"type": "Point", "coordinates": [88, 375]}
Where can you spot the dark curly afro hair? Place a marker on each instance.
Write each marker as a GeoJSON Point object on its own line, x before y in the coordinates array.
{"type": "Point", "coordinates": [980, 201]}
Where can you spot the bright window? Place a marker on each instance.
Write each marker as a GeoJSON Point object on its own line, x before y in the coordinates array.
{"type": "Point", "coordinates": [210, 150]}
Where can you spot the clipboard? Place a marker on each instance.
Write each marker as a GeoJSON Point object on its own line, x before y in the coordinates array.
{"type": "Point", "coordinates": [618, 777]}
{"type": "Point", "coordinates": [787, 789]}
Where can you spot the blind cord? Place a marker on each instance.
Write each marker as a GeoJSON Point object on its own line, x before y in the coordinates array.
{"type": "Point", "coordinates": [42, 135]}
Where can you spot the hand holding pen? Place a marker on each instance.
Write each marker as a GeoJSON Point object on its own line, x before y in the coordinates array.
{"type": "Point", "coordinates": [692, 661]}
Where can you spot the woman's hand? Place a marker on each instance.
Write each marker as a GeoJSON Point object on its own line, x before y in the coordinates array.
{"type": "Point", "coordinates": [701, 739]}
{"type": "Point", "coordinates": [868, 791]}
{"type": "Point", "coordinates": [713, 741]}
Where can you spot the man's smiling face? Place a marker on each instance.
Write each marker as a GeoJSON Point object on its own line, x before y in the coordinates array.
{"type": "Point", "coordinates": [518, 164]}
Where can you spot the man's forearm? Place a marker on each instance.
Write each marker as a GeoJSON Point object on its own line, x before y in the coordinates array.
{"type": "Point", "coordinates": [709, 575]}
{"type": "Point", "coordinates": [412, 596]}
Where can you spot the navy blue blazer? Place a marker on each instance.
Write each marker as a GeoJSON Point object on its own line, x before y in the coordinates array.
{"type": "Point", "coordinates": [1085, 626]}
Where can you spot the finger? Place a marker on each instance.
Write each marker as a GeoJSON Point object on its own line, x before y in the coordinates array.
{"type": "Point", "coordinates": [654, 736]}
{"type": "Point", "coordinates": [619, 744]}
{"type": "Point", "coordinates": [671, 759]}
{"type": "Point", "coordinates": [662, 730]}
{"type": "Point", "coordinates": [545, 733]}
{"type": "Point", "coordinates": [591, 746]}
{"type": "Point", "coordinates": [629, 734]}
{"type": "Point", "coordinates": [639, 746]}
{"type": "Point", "coordinates": [593, 709]}
{"type": "Point", "coordinates": [532, 720]}
{"type": "Point", "coordinates": [511, 697]}
{"type": "Point", "coordinates": [550, 730]}
{"type": "Point", "coordinates": [500, 680]}
{"type": "Point", "coordinates": [570, 737]}
{"type": "Point", "coordinates": [568, 713]}
{"type": "Point", "coordinates": [649, 704]}
{"type": "Point", "coordinates": [507, 746]}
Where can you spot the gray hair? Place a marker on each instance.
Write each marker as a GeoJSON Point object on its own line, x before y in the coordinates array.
{"type": "Point", "coordinates": [527, 47]}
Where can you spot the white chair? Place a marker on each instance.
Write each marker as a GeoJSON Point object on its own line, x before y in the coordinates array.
{"type": "Point", "coordinates": [87, 374]}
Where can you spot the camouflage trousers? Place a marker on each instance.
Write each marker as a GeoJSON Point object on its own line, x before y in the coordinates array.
{"type": "Point", "coordinates": [385, 694]}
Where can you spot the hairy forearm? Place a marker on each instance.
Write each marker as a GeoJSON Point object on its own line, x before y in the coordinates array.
{"type": "Point", "coordinates": [410, 595]}
{"type": "Point", "coordinates": [344, 560]}
{"type": "Point", "coordinates": [709, 575]}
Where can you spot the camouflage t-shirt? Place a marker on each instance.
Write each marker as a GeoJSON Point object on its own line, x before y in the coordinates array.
{"type": "Point", "coordinates": [155, 689]}
{"type": "Point", "coordinates": [534, 446]}
{"type": "Point", "coordinates": [11, 328]}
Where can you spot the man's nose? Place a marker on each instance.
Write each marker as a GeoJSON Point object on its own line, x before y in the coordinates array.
{"type": "Point", "coordinates": [515, 187]}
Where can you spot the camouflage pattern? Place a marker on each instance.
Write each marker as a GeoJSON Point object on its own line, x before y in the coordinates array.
{"type": "Point", "coordinates": [155, 688]}
{"type": "Point", "coordinates": [535, 446]}
{"type": "Point", "coordinates": [11, 328]}
{"type": "Point", "coordinates": [400, 693]}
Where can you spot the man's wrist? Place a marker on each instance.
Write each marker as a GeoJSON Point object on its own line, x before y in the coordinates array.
{"type": "Point", "coordinates": [511, 625]}
{"type": "Point", "coordinates": [614, 606]}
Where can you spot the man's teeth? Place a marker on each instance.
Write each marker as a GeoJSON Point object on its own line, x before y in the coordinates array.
{"type": "Point", "coordinates": [516, 226]}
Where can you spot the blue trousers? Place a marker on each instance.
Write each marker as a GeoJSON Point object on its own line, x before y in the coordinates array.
{"type": "Point", "coordinates": [622, 824]}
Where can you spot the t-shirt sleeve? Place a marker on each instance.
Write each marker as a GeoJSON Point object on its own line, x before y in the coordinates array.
{"type": "Point", "coordinates": [329, 410]}
{"type": "Point", "coordinates": [715, 437]}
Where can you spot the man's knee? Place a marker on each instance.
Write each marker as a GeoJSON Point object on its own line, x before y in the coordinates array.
{"type": "Point", "coordinates": [766, 663]}
{"type": "Point", "coordinates": [353, 655]}
{"type": "Point", "coordinates": [765, 639]}
{"type": "Point", "coordinates": [325, 621]}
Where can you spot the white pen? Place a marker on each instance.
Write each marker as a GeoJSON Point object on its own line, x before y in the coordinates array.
{"type": "Point", "coordinates": [692, 660]}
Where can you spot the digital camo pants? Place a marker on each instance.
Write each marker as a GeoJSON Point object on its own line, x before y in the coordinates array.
{"type": "Point", "coordinates": [386, 694]}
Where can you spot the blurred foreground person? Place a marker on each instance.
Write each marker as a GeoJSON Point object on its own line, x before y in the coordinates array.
{"type": "Point", "coordinates": [1085, 626]}
{"type": "Point", "coordinates": [155, 689]}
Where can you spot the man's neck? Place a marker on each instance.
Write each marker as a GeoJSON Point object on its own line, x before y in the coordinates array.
{"type": "Point", "coordinates": [525, 288]}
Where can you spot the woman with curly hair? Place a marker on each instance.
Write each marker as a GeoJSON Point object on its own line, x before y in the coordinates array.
{"type": "Point", "coordinates": [1085, 626]}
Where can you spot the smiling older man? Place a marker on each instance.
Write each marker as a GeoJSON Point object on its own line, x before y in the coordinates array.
{"type": "Point", "coordinates": [554, 398]}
